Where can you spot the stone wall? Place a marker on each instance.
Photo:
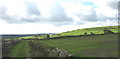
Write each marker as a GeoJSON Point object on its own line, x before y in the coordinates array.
{"type": "Point", "coordinates": [6, 45]}
{"type": "Point", "coordinates": [92, 34]}
{"type": "Point", "coordinates": [39, 50]}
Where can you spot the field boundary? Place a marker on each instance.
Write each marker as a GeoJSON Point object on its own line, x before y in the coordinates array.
{"type": "Point", "coordinates": [70, 36]}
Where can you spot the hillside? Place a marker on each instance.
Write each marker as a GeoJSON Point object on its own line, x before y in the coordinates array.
{"type": "Point", "coordinates": [87, 46]}
{"type": "Point", "coordinates": [95, 30]}
{"type": "Point", "coordinates": [79, 46]}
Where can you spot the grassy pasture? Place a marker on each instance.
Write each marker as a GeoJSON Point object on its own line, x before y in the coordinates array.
{"type": "Point", "coordinates": [96, 30]}
{"type": "Point", "coordinates": [86, 46]}
{"type": "Point", "coordinates": [90, 46]}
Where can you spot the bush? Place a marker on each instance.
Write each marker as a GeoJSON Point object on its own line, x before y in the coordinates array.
{"type": "Point", "coordinates": [85, 33]}
{"type": "Point", "coordinates": [47, 36]}
{"type": "Point", "coordinates": [92, 33]}
{"type": "Point", "coordinates": [107, 31]}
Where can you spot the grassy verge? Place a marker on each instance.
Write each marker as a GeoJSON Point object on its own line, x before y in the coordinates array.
{"type": "Point", "coordinates": [20, 50]}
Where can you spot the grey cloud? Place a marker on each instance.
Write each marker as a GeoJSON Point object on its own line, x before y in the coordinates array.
{"type": "Point", "coordinates": [60, 24]}
{"type": "Point", "coordinates": [80, 23]}
{"type": "Point", "coordinates": [119, 5]}
{"type": "Point", "coordinates": [113, 5]}
{"type": "Point", "coordinates": [28, 20]}
{"type": "Point", "coordinates": [102, 18]}
{"type": "Point", "coordinates": [91, 17]}
{"type": "Point", "coordinates": [36, 19]}
{"type": "Point", "coordinates": [58, 15]}
{"type": "Point", "coordinates": [119, 10]}
{"type": "Point", "coordinates": [11, 19]}
{"type": "Point", "coordinates": [7, 18]}
{"type": "Point", "coordinates": [3, 10]}
{"type": "Point", "coordinates": [119, 16]}
{"type": "Point", "coordinates": [105, 18]}
{"type": "Point", "coordinates": [32, 8]}
{"type": "Point", "coordinates": [18, 20]}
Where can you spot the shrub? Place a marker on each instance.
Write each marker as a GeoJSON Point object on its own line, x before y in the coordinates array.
{"type": "Point", "coordinates": [85, 33]}
{"type": "Point", "coordinates": [107, 31]}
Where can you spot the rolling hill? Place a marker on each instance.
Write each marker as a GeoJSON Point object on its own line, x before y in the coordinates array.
{"type": "Point", "coordinates": [95, 30]}
{"type": "Point", "coordinates": [83, 46]}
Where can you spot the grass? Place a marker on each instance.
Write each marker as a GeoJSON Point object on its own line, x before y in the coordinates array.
{"type": "Point", "coordinates": [86, 46]}
{"type": "Point", "coordinates": [94, 46]}
{"type": "Point", "coordinates": [20, 50]}
{"type": "Point", "coordinates": [96, 30]}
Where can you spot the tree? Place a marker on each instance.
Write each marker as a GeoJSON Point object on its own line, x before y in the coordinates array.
{"type": "Point", "coordinates": [107, 31]}
{"type": "Point", "coordinates": [85, 33]}
{"type": "Point", "coordinates": [92, 33]}
{"type": "Point", "coordinates": [47, 36]}
{"type": "Point", "coordinates": [36, 38]}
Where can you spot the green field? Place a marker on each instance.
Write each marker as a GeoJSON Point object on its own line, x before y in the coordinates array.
{"type": "Point", "coordinates": [20, 50]}
{"type": "Point", "coordinates": [95, 30]}
{"type": "Point", "coordinates": [85, 46]}
{"type": "Point", "coordinates": [90, 46]}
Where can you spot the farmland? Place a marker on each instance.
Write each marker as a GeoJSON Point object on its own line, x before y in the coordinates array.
{"type": "Point", "coordinates": [20, 50]}
{"type": "Point", "coordinates": [105, 45]}
{"type": "Point", "coordinates": [88, 46]}
{"type": "Point", "coordinates": [95, 30]}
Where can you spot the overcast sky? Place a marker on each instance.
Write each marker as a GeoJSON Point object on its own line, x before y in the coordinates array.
{"type": "Point", "coordinates": [55, 16]}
